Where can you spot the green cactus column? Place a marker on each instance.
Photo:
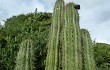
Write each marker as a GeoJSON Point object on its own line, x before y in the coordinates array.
{"type": "Point", "coordinates": [87, 51]}
{"type": "Point", "coordinates": [52, 59]}
{"type": "Point", "coordinates": [79, 40]}
{"type": "Point", "coordinates": [25, 57]}
{"type": "Point", "coordinates": [72, 45]}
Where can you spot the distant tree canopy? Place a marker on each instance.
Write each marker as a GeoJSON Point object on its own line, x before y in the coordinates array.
{"type": "Point", "coordinates": [19, 28]}
{"type": "Point", "coordinates": [102, 56]}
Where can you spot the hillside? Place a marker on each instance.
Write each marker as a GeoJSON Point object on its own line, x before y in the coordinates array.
{"type": "Point", "coordinates": [34, 26]}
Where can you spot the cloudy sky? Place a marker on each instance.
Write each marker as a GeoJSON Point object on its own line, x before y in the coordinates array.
{"type": "Point", "coordinates": [94, 14]}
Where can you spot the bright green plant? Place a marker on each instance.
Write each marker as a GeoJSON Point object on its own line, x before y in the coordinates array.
{"type": "Point", "coordinates": [87, 51]}
{"type": "Point", "coordinates": [52, 60]}
{"type": "Point", "coordinates": [25, 56]}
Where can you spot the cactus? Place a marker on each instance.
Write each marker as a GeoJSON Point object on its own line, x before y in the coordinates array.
{"type": "Point", "coordinates": [71, 50]}
{"type": "Point", "coordinates": [79, 40]}
{"type": "Point", "coordinates": [87, 51]}
{"type": "Point", "coordinates": [65, 51]}
{"type": "Point", "coordinates": [25, 57]}
{"type": "Point", "coordinates": [52, 59]}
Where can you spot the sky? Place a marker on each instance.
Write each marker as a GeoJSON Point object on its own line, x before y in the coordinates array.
{"type": "Point", "coordinates": [94, 14]}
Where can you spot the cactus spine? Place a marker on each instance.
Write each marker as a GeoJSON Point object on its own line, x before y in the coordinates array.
{"type": "Point", "coordinates": [25, 57]}
{"type": "Point", "coordinates": [87, 51]}
{"type": "Point", "coordinates": [71, 52]}
{"type": "Point", "coordinates": [52, 60]}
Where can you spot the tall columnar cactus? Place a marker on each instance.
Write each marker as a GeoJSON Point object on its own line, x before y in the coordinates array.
{"type": "Point", "coordinates": [79, 40]}
{"type": "Point", "coordinates": [72, 45]}
{"type": "Point", "coordinates": [25, 57]}
{"type": "Point", "coordinates": [52, 60]}
{"type": "Point", "coordinates": [87, 51]}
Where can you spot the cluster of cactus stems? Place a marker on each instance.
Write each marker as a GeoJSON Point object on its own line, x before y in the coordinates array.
{"type": "Point", "coordinates": [65, 49]}
{"type": "Point", "coordinates": [69, 48]}
{"type": "Point", "coordinates": [87, 51]}
{"type": "Point", "coordinates": [25, 56]}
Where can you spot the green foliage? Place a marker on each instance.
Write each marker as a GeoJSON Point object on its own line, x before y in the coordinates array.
{"type": "Point", "coordinates": [19, 28]}
{"type": "Point", "coordinates": [87, 51]}
{"type": "Point", "coordinates": [102, 56]}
